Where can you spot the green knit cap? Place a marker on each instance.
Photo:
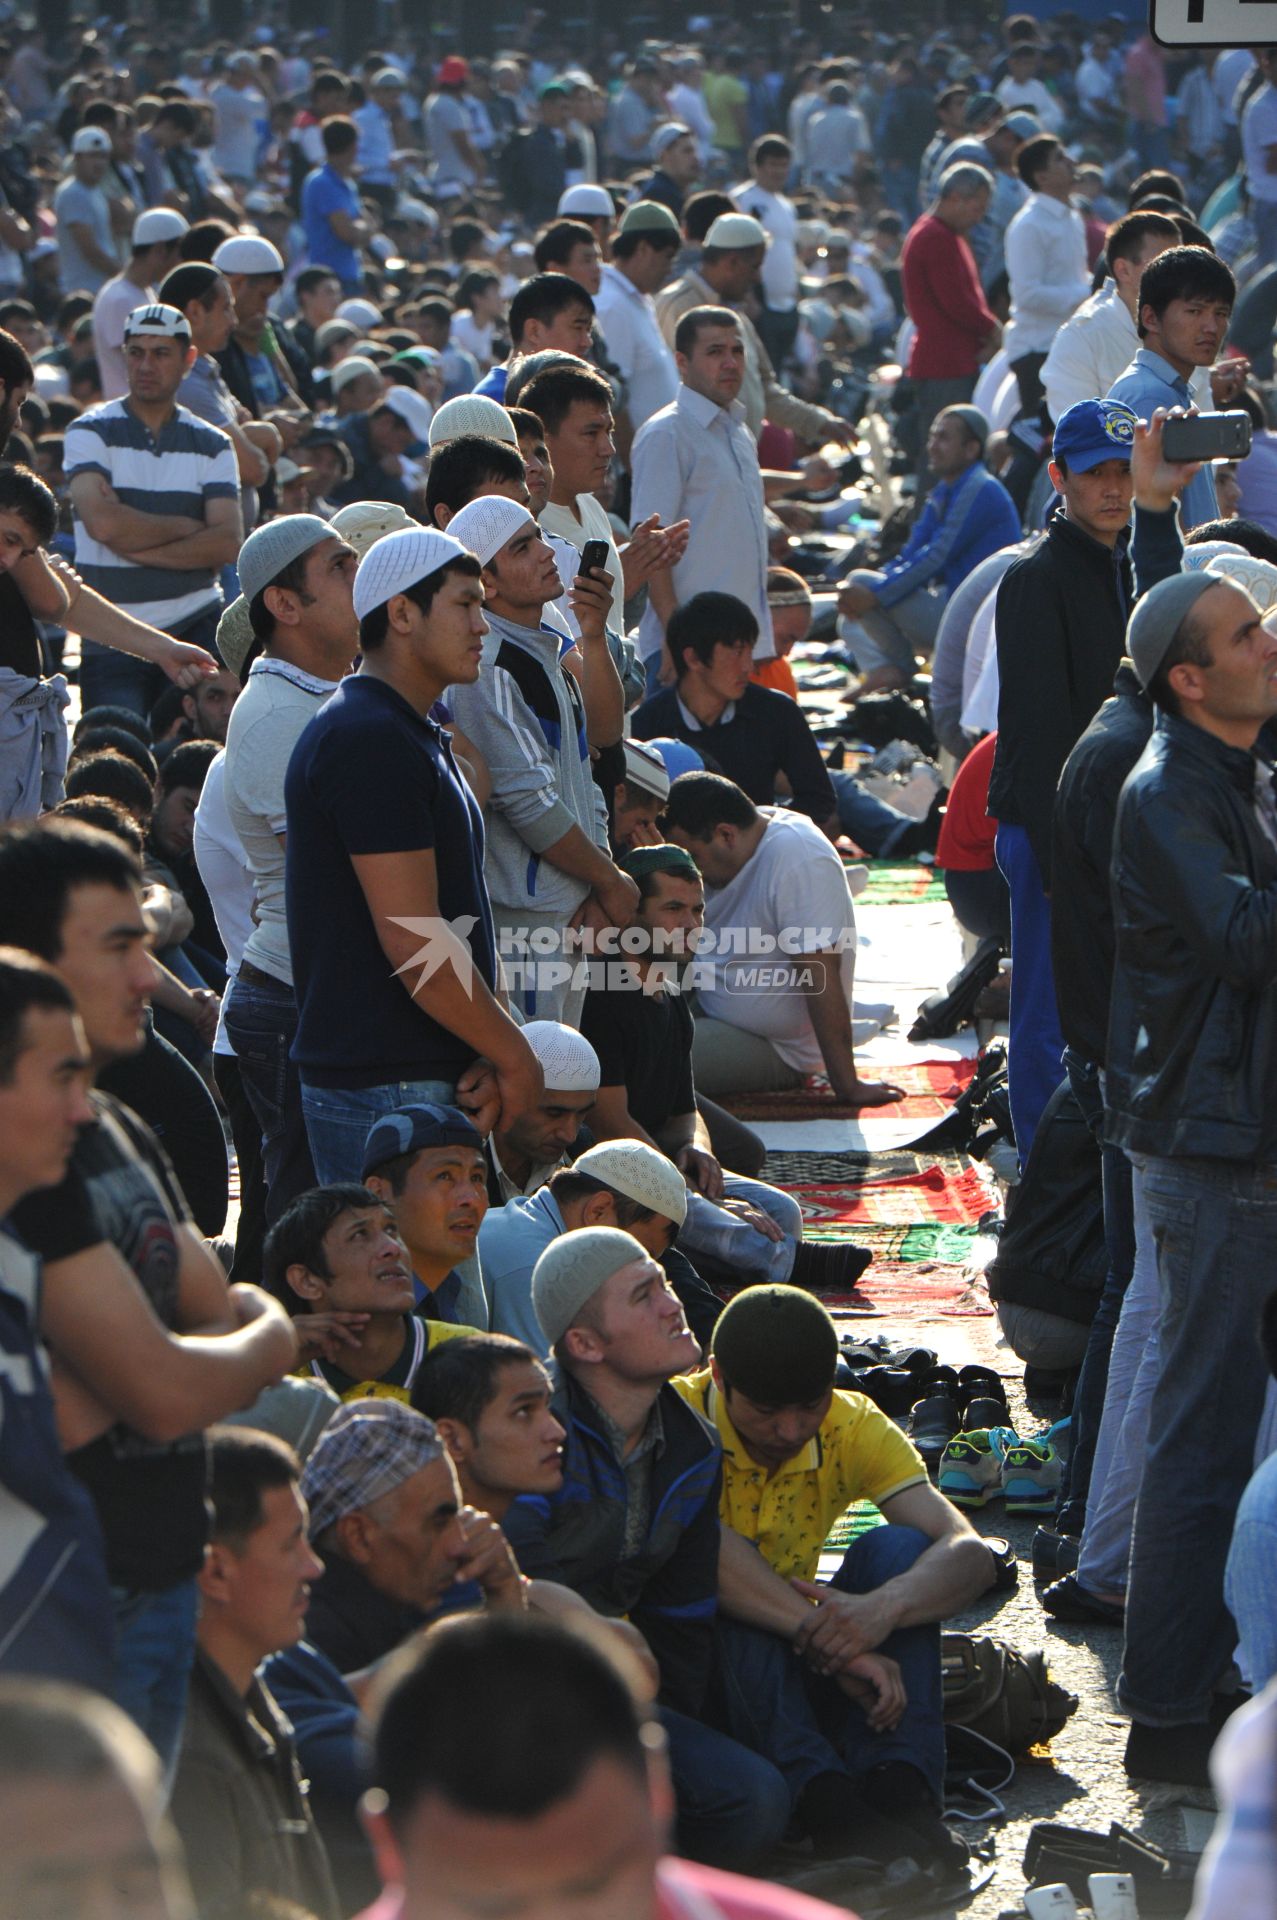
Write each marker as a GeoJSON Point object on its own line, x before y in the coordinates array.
{"type": "Point", "coordinates": [778, 1345]}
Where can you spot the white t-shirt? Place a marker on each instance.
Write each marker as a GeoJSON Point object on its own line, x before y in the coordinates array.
{"type": "Point", "coordinates": [795, 880]}
{"type": "Point", "coordinates": [239, 120]}
{"type": "Point", "coordinates": [466, 333]}
{"type": "Point", "coordinates": [446, 117]}
{"type": "Point", "coordinates": [779, 216]}
{"type": "Point", "coordinates": [590, 522]}
{"type": "Point", "coordinates": [1259, 132]}
{"type": "Point", "coordinates": [227, 876]}
{"type": "Point", "coordinates": [115, 302]}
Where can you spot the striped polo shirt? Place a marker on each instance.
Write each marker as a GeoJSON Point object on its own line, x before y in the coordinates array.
{"type": "Point", "coordinates": [179, 470]}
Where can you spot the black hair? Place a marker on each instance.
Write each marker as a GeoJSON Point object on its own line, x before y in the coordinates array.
{"type": "Point", "coordinates": [568, 1186]}
{"type": "Point", "coordinates": [702, 210]}
{"type": "Point", "coordinates": [461, 468]}
{"type": "Point", "coordinates": [465, 234]}
{"type": "Point", "coordinates": [1156, 180]}
{"type": "Point", "coordinates": [770, 147]}
{"type": "Point", "coordinates": [188, 765]}
{"type": "Point", "coordinates": [1036, 154]}
{"type": "Point", "coordinates": [503, 1715]}
{"type": "Point", "coordinates": [1268, 1332]}
{"type": "Point", "coordinates": [41, 864]}
{"type": "Point", "coordinates": [311, 277]}
{"type": "Point", "coordinates": [1243, 533]}
{"type": "Point", "coordinates": [699, 802]}
{"type": "Point", "coordinates": [25, 493]}
{"type": "Point", "coordinates": [375, 625]}
{"type": "Point", "coordinates": [117, 740]}
{"type": "Point", "coordinates": [544, 297]}
{"type": "Point", "coordinates": [704, 622]}
{"type": "Point", "coordinates": [297, 1237]}
{"type": "Point", "coordinates": [291, 579]}
{"type": "Point", "coordinates": [16, 369]}
{"type": "Point", "coordinates": [329, 81]}
{"type": "Point", "coordinates": [1191, 235]}
{"type": "Point", "coordinates": [459, 1377]}
{"type": "Point", "coordinates": [201, 241]}
{"type": "Point", "coordinates": [114, 716]}
{"type": "Point", "coordinates": [25, 982]}
{"type": "Point", "coordinates": [179, 114]}
{"type": "Point", "coordinates": [95, 810]}
{"type": "Point", "coordinates": [339, 134]}
{"type": "Point", "coordinates": [552, 395]}
{"type": "Point", "coordinates": [1182, 273]}
{"type": "Point", "coordinates": [477, 281]}
{"type": "Point", "coordinates": [1125, 238]}
{"type": "Point", "coordinates": [110, 774]}
{"type": "Point", "coordinates": [1189, 647]}
{"type": "Point", "coordinates": [696, 321]}
{"type": "Point", "coordinates": [660, 239]}
{"type": "Point", "coordinates": [193, 280]}
{"type": "Point", "coordinates": [244, 1463]}
{"type": "Point", "coordinates": [555, 246]}
{"type": "Point", "coordinates": [527, 424]}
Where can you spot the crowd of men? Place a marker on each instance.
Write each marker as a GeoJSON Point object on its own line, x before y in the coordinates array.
{"type": "Point", "coordinates": [414, 478]}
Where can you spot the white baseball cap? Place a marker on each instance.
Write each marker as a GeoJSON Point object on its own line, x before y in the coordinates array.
{"type": "Point", "coordinates": [91, 140]}
{"type": "Point", "coordinates": [157, 224]}
{"type": "Point", "coordinates": [350, 369]}
{"type": "Point", "coordinates": [398, 562]}
{"type": "Point", "coordinates": [248, 253]}
{"type": "Point", "coordinates": [166, 322]}
{"type": "Point", "coordinates": [415, 412]}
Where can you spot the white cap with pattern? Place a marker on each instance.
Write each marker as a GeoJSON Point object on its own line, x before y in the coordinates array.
{"type": "Point", "coordinates": [398, 562]}
{"type": "Point", "coordinates": [568, 1061]}
{"type": "Point", "coordinates": [640, 1173]}
{"type": "Point", "coordinates": [487, 523]}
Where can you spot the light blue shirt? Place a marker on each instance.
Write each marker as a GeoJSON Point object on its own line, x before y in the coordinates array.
{"type": "Point", "coordinates": [511, 1241]}
{"type": "Point", "coordinates": [376, 144]}
{"type": "Point", "coordinates": [697, 461]}
{"type": "Point", "coordinates": [1151, 382]}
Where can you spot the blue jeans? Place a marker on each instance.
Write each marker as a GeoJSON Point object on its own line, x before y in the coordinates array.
{"type": "Point", "coordinates": [803, 1721]}
{"type": "Point", "coordinates": [870, 822]}
{"type": "Point", "coordinates": [109, 678]}
{"type": "Point", "coordinates": [338, 1120]}
{"type": "Point", "coordinates": [1119, 1233]}
{"type": "Point", "coordinates": [732, 1806]}
{"type": "Point", "coordinates": [154, 1653]}
{"type": "Point", "coordinates": [1214, 1223]}
{"type": "Point", "coordinates": [709, 1229]}
{"type": "Point", "coordinates": [261, 1023]}
{"type": "Point", "coordinates": [1035, 1042]}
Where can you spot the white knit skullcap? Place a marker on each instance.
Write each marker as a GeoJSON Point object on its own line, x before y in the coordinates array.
{"type": "Point", "coordinates": [487, 523]}
{"type": "Point", "coordinates": [398, 562]}
{"type": "Point", "coordinates": [568, 1061]}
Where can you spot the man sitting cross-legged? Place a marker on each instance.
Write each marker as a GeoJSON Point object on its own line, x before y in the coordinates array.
{"type": "Point", "coordinates": [765, 1023]}
{"type": "Point", "coordinates": [641, 1028]}
{"type": "Point", "coordinates": [634, 1529]}
{"type": "Point", "coordinates": [337, 1251]}
{"type": "Point", "coordinates": [853, 1745]}
{"type": "Point", "coordinates": [426, 1164]}
{"type": "Point", "coordinates": [623, 1183]}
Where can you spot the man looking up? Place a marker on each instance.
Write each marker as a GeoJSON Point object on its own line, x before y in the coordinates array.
{"type": "Point", "coordinates": [296, 625]}
{"type": "Point", "coordinates": [615, 1534]}
{"type": "Point", "coordinates": [547, 862]}
{"type": "Point", "coordinates": [1184, 305]}
{"type": "Point", "coordinates": [239, 1800]}
{"type": "Point", "coordinates": [1060, 624]}
{"type": "Point", "coordinates": [147, 451]}
{"type": "Point", "coordinates": [384, 834]}
{"type": "Point", "coordinates": [427, 1167]}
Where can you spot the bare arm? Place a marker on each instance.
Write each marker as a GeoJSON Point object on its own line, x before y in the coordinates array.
{"type": "Point", "coordinates": [87, 612]}
{"type": "Point", "coordinates": [612, 1119]}
{"type": "Point", "coordinates": [830, 1017]}
{"type": "Point", "coordinates": [126, 530]}
{"type": "Point", "coordinates": [600, 683]}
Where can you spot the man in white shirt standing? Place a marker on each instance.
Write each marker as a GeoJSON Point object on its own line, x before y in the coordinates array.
{"type": "Point", "coordinates": [770, 160]}
{"type": "Point", "coordinates": [1024, 87]}
{"type": "Point", "coordinates": [156, 234]}
{"type": "Point", "coordinates": [1046, 263]}
{"type": "Point", "coordinates": [1098, 342]}
{"type": "Point", "coordinates": [1259, 157]}
{"type": "Point", "coordinates": [643, 254]}
{"type": "Point", "coordinates": [239, 121]}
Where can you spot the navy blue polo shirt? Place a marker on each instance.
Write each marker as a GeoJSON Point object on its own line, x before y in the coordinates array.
{"type": "Point", "coordinates": [370, 775]}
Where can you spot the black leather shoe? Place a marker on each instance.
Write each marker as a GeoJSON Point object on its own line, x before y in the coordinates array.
{"type": "Point", "coordinates": [1067, 1600]}
{"type": "Point", "coordinates": [933, 1424]}
{"type": "Point", "coordinates": [1054, 1554]}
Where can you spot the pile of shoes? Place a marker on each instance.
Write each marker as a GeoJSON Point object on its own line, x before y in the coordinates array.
{"type": "Point", "coordinates": [994, 1463]}
{"type": "Point", "coordinates": [892, 1377]}
{"type": "Point", "coordinates": [953, 1401]}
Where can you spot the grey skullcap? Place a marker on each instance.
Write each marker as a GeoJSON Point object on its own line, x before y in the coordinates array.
{"type": "Point", "coordinates": [1158, 618]}
{"type": "Point", "coordinates": [571, 1271]}
{"type": "Point", "coordinates": [266, 553]}
{"type": "Point", "coordinates": [976, 422]}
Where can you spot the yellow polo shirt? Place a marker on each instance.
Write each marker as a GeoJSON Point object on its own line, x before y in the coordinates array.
{"type": "Point", "coordinates": [858, 1454]}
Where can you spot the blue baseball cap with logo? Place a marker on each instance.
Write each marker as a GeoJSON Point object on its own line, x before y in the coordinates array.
{"type": "Point", "coordinates": [1092, 431]}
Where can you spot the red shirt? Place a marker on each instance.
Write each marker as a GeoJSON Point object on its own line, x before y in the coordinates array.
{"type": "Point", "coordinates": [945, 302]}
{"type": "Point", "coordinates": [687, 1892]}
{"type": "Point", "coordinates": [966, 832]}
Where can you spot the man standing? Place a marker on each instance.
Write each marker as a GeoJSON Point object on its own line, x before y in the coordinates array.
{"type": "Point", "coordinates": [155, 491]}
{"type": "Point", "coordinates": [548, 865]}
{"type": "Point", "coordinates": [1060, 624]}
{"type": "Point", "coordinates": [240, 122]}
{"type": "Point", "coordinates": [768, 871]}
{"type": "Point", "coordinates": [1195, 881]}
{"type": "Point", "coordinates": [297, 579]}
{"type": "Point", "coordinates": [256, 370]}
{"type": "Point", "coordinates": [86, 245]}
{"type": "Point", "coordinates": [1259, 156]}
{"type": "Point", "coordinates": [643, 254]}
{"type": "Point", "coordinates": [386, 841]}
{"type": "Point", "coordinates": [893, 615]}
{"type": "Point", "coordinates": [696, 460]}
{"type": "Point", "coordinates": [1046, 263]}
{"type": "Point", "coordinates": [1096, 345]}
{"type": "Point", "coordinates": [203, 296]}
{"type": "Point", "coordinates": [332, 211]}
{"type": "Point", "coordinates": [677, 161]}
{"type": "Point", "coordinates": [765, 198]}
{"type": "Point", "coordinates": [954, 330]}
{"type": "Point", "coordinates": [1185, 302]}
{"type": "Point", "coordinates": [239, 1800]}
{"type": "Point", "coordinates": [155, 238]}
{"type": "Point", "coordinates": [382, 157]}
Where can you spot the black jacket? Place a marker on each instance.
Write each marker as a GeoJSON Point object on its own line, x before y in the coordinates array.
{"type": "Point", "coordinates": [766, 735]}
{"type": "Point", "coordinates": [1060, 623]}
{"type": "Point", "coordinates": [1082, 942]}
{"type": "Point", "coordinates": [1192, 1043]}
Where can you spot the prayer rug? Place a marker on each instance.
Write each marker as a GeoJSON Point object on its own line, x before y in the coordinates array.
{"type": "Point", "coordinates": [898, 884]}
{"type": "Point", "coordinates": [930, 1089]}
{"type": "Point", "coordinates": [929, 1199]}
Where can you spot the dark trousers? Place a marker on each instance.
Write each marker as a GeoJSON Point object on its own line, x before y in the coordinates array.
{"type": "Point", "coordinates": [1028, 378]}
{"type": "Point", "coordinates": [735, 1146]}
{"type": "Point", "coordinates": [804, 1722]}
{"type": "Point", "coordinates": [1119, 1234]}
{"type": "Point", "coordinates": [733, 1805]}
{"type": "Point", "coordinates": [778, 332]}
{"type": "Point", "coordinates": [261, 1023]}
{"type": "Point", "coordinates": [247, 1135]}
{"type": "Point", "coordinates": [930, 398]}
{"type": "Point", "coordinates": [981, 903]}
{"type": "Point", "coordinates": [1034, 1056]}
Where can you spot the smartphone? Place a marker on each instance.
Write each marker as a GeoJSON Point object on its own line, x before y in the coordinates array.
{"type": "Point", "coordinates": [1207, 436]}
{"type": "Point", "coordinates": [594, 554]}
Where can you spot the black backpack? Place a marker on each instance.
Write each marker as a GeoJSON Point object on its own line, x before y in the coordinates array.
{"type": "Point", "coordinates": [1052, 1254]}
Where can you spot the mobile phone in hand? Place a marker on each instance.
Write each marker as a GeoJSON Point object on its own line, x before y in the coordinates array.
{"type": "Point", "coordinates": [594, 556]}
{"type": "Point", "coordinates": [1207, 436]}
